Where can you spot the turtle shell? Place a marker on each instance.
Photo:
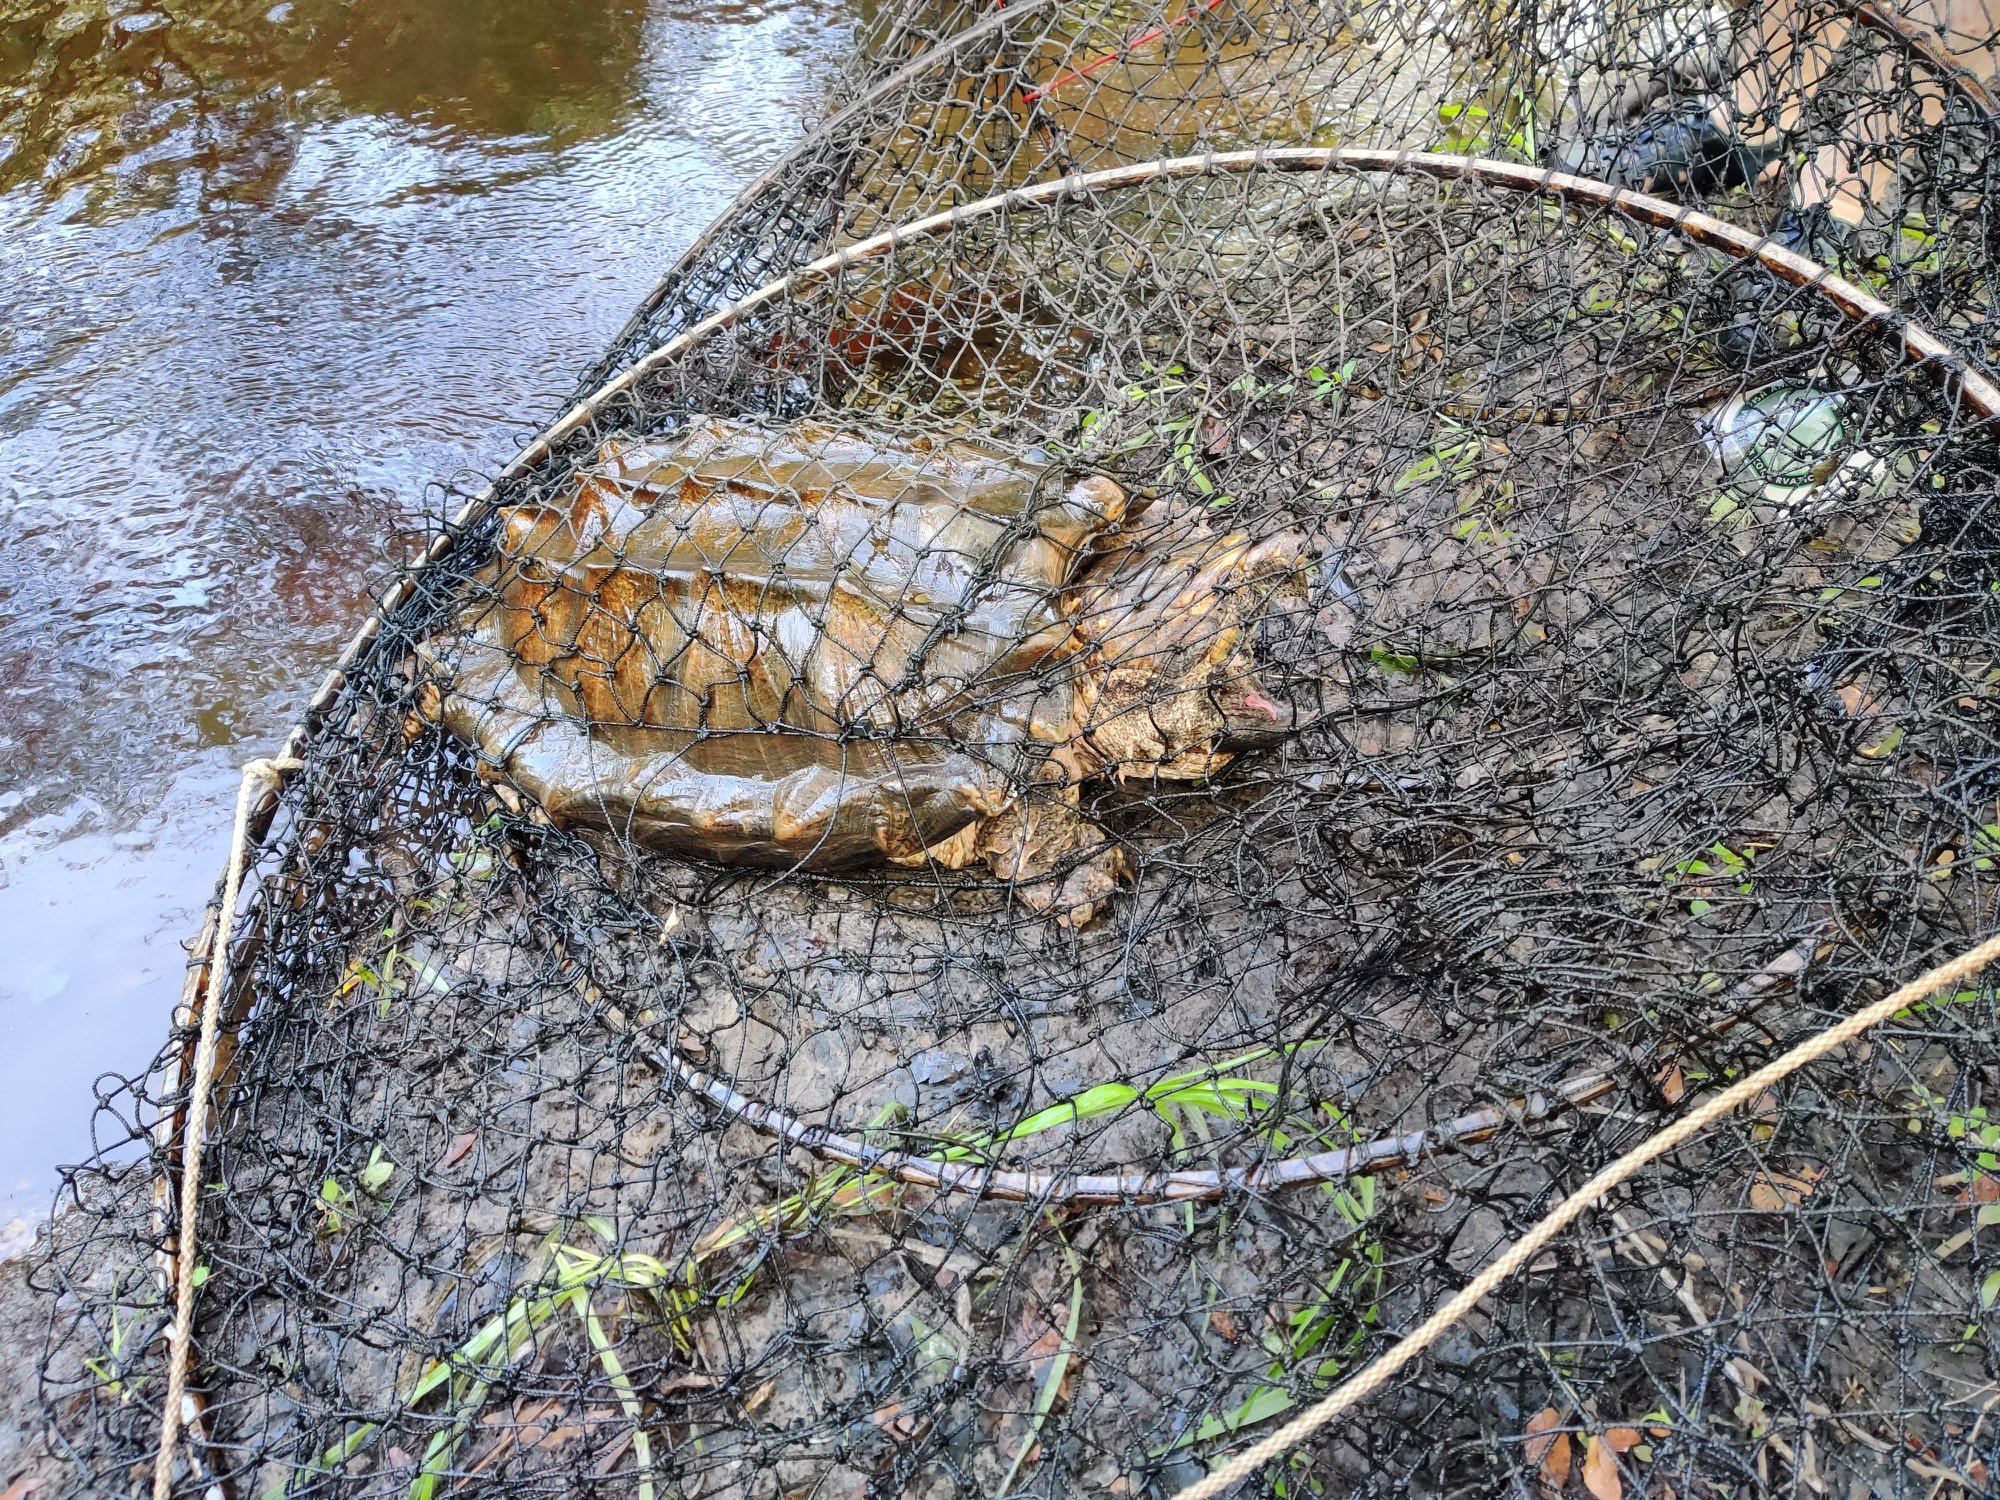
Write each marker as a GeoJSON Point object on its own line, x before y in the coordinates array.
{"type": "Point", "coordinates": [794, 645]}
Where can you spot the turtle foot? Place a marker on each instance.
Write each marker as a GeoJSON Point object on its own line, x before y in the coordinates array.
{"type": "Point", "coordinates": [1083, 895]}
{"type": "Point", "coordinates": [1058, 862]}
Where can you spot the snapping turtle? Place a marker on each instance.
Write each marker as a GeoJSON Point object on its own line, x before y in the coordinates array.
{"type": "Point", "coordinates": [810, 648]}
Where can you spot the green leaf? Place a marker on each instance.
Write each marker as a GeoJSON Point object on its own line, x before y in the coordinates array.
{"type": "Point", "coordinates": [1099, 1099]}
{"type": "Point", "coordinates": [375, 1176]}
{"type": "Point", "coordinates": [1264, 1403]}
{"type": "Point", "coordinates": [1382, 656]}
{"type": "Point", "coordinates": [622, 1386]}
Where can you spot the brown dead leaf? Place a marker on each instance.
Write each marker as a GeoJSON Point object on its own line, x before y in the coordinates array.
{"type": "Point", "coordinates": [495, 1453]}
{"type": "Point", "coordinates": [903, 1426]}
{"type": "Point", "coordinates": [759, 1396]}
{"type": "Point", "coordinates": [1220, 1319]}
{"type": "Point", "coordinates": [1538, 1445]}
{"type": "Point", "coordinates": [1038, 1339]}
{"type": "Point", "coordinates": [1622, 1439]}
{"type": "Point", "coordinates": [607, 1464]}
{"type": "Point", "coordinates": [1672, 1084]}
{"type": "Point", "coordinates": [1600, 1471]}
{"type": "Point", "coordinates": [1546, 1449]}
{"type": "Point", "coordinates": [455, 1152]}
{"type": "Point", "coordinates": [1555, 1468]}
{"type": "Point", "coordinates": [1775, 1192]}
{"type": "Point", "coordinates": [1856, 702]}
{"type": "Point", "coordinates": [525, 1436]}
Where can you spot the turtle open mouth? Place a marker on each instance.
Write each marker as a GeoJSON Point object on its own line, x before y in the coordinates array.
{"type": "Point", "coordinates": [1256, 694]}
{"type": "Point", "coordinates": [1253, 718]}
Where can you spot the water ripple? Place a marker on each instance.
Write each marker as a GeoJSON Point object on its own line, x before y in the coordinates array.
{"type": "Point", "coordinates": [245, 344]}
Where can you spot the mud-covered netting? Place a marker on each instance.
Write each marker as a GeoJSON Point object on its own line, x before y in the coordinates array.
{"type": "Point", "coordinates": [1025, 92]}
{"type": "Point", "coordinates": [1859, 133]}
{"type": "Point", "coordinates": [1007, 857]}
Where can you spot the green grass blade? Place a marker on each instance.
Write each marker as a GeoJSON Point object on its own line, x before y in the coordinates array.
{"type": "Point", "coordinates": [1052, 1377]}
{"type": "Point", "coordinates": [621, 1383]}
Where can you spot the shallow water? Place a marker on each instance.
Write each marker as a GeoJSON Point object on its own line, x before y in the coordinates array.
{"type": "Point", "coordinates": [276, 279]}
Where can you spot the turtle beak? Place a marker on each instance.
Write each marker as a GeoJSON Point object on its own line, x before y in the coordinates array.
{"type": "Point", "coordinates": [1255, 714]}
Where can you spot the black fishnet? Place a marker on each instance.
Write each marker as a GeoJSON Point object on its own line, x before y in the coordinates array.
{"type": "Point", "coordinates": [1606, 753]}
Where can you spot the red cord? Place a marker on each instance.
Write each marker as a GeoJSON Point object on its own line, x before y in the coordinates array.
{"type": "Point", "coordinates": [1096, 63]}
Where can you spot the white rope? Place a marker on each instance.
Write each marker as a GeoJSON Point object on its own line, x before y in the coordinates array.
{"type": "Point", "coordinates": [259, 777]}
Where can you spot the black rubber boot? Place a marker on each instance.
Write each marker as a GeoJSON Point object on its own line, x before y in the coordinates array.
{"type": "Point", "coordinates": [1753, 328]}
{"type": "Point", "coordinates": [1816, 234]}
{"type": "Point", "coordinates": [1683, 153]}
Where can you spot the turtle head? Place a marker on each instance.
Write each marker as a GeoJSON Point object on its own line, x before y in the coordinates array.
{"type": "Point", "coordinates": [1182, 623]}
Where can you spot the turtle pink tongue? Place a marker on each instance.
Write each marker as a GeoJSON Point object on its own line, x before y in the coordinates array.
{"type": "Point", "coordinates": [1258, 702]}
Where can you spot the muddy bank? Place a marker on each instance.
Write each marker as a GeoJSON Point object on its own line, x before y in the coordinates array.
{"type": "Point", "coordinates": [29, 1463]}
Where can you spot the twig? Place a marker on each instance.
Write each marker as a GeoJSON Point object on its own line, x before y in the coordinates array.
{"type": "Point", "coordinates": [1966, 84]}
{"type": "Point", "coordinates": [259, 778]}
{"type": "Point", "coordinates": [1075, 1190]}
{"type": "Point", "coordinates": [1062, 1190]}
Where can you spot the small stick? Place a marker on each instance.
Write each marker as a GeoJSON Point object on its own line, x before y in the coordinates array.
{"type": "Point", "coordinates": [1066, 1190]}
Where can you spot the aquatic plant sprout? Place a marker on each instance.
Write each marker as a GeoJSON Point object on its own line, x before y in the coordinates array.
{"type": "Point", "coordinates": [1136, 717]}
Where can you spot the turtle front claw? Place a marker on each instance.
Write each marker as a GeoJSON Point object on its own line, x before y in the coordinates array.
{"type": "Point", "coordinates": [1080, 897]}
{"type": "Point", "coordinates": [1035, 846]}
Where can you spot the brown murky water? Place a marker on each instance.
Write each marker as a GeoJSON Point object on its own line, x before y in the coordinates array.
{"type": "Point", "coordinates": [274, 276]}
